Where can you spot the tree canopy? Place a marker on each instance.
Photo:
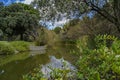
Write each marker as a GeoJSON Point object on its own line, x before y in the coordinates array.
{"type": "Point", "coordinates": [18, 19]}
{"type": "Point", "coordinates": [109, 9]}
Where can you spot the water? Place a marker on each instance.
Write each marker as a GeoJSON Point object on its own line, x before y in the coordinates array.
{"type": "Point", "coordinates": [13, 67]}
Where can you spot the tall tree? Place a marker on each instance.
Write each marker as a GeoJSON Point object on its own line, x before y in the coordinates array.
{"type": "Point", "coordinates": [18, 19]}
{"type": "Point", "coordinates": [54, 8]}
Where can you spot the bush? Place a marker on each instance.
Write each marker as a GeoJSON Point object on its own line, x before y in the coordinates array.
{"type": "Point", "coordinates": [40, 40]}
{"type": "Point", "coordinates": [20, 46]}
{"type": "Point", "coordinates": [46, 37]}
{"type": "Point", "coordinates": [100, 63]}
{"type": "Point", "coordinates": [6, 48]}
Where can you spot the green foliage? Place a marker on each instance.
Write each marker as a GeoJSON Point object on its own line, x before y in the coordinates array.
{"type": "Point", "coordinates": [51, 38]}
{"type": "Point", "coordinates": [46, 37]}
{"type": "Point", "coordinates": [18, 20]}
{"type": "Point", "coordinates": [56, 74]}
{"type": "Point", "coordinates": [77, 28]}
{"type": "Point", "coordinates": [101, 62]}
{"type": "Point", "coordinates": [62, 74]}
{"type": "Point", "coordinates": [6, 48]}
{"type": "Point", "coordinates": [40, 40]}
{"type": "Point", "coordinates": [1, 5]}
{"type": "Point", "coordinates": [76, 8]}
{"type": "Point", "coordinates": [82, 44]}
{"type": "Point", "coordinates": [71, 31]}
{"type": "Point", "coordinates": [104, 40]}
{"type": "Point", "coordinates": [20, 46]}
{"type": "Point", "coordinates": [13, 47]}
{"type": "Point", "coordinates": [36, 74]}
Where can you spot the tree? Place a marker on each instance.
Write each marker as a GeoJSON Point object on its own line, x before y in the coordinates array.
{"type": "Point", "coordinates": [109, 9]}
{"type": "Point", "coordinates": [97, 25]}
{"type": "Point", "coordinates": [57, 30]}
{"type": "Point", "coordinates": [25, 23]}
{"type": "Point", "coordinates": [72, 31]}
{"type": "Point", "coordinates": [19, 19]}
{"type": "Point", "coordinates": [1, 5]}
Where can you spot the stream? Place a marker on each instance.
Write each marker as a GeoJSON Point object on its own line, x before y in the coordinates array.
{"type": "Point", "coordinates": [13, 67]}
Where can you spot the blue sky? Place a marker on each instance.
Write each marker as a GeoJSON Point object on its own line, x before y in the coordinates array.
{"type": "Point", "coordinates": [7, 2]}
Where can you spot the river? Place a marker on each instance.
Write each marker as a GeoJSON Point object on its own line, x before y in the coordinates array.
{"type": "Point", "coordinates": [13, 67]}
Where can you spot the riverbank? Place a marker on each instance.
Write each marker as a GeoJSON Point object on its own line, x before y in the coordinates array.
{"type": "Point", "coordinates": [15, 66]}
{"type": "Point", "coordinates": [7, 48]}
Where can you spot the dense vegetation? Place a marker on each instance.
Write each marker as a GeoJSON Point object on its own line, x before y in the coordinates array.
{"type": "Point", "coordinates": [109, 9]}
{"type": "Point", "coordinates": [18, 20]}
{"type": "Point", "coordinates": [99, 63]}
{"type": "Point", "coordinates": [98, 53]}
{"type": "Point", "coordinates": [96, 36]}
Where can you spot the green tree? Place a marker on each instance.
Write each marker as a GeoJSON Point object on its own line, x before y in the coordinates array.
{"type": "Point", "coordinates": [109, 9]}
{"type": "Point", "coordinates": [19, 19]}
{"type": "Point", "coordinates": [1, 5]}
{"type": "Point", "coordinates": [72, 30]}
{"type": "Point", "coordinates": [97, 25]}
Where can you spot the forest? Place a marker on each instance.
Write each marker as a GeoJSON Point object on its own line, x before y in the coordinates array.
{"type": "Point", "coordinates": [86, 47]}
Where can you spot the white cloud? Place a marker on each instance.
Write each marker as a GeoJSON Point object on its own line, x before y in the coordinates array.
{"type": "Point", "coordinates": [28, 1]}
{"type": "Point", "coordinates": [61, 23]}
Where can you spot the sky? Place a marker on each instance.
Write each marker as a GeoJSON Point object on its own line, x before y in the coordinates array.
{"type": "Point", "coordinates": [60, 23]}
{"type": "Point", "coordinates": [7, 2]}
{"type": "Point", "coordinates": [28, 1]}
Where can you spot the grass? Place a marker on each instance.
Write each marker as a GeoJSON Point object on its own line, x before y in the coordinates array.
{"type": "Point", "coordinates": [13, 47]}
{"type": "Point", "coordinates": [20, 46]}
{"type": "Point", "coordinates": [6, 48]}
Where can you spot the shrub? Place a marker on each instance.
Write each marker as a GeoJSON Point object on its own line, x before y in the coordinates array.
{"type": "Point", "coordinates": [100, 63]}
{"type": "Point", "coordinates": [40, 40]}
{"type": "Point", "coordinates": [46, 37]}
{"type": "Point", "coordinates": [35, 75]}
{"type": "Point", "coordinates": [6, 48]}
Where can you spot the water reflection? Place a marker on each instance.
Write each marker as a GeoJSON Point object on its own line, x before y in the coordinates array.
{"type": "Point", "coordinates": [56, 64]}
{"type": "Point", "coordinates": [15, 69]}
{"type": "Point", "coordinates": [15, 66]}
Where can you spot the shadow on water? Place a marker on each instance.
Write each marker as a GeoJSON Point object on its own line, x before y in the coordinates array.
{"type": "Point", "coordinates": [15, 66]}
